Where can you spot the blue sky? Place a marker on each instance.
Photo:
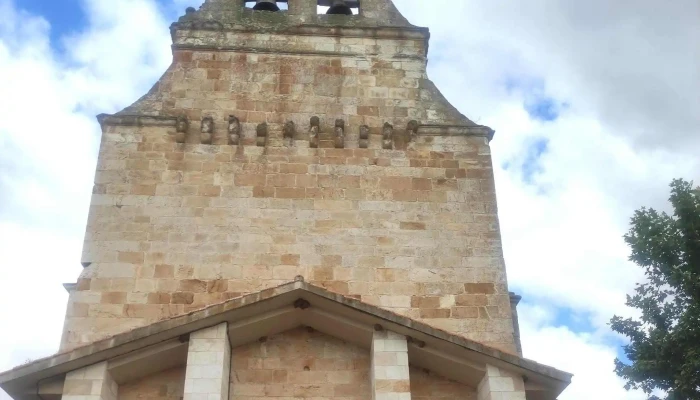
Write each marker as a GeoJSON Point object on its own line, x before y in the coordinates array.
{"type": "Point", "coordinates": [595, 108]}
{"type": "Point", "coordinates": [65, 16]}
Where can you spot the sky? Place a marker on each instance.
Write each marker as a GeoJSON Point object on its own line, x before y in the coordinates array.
{"type": "Point", "coordinates": [594, 103]}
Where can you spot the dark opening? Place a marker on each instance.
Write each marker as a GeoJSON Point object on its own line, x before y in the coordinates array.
{"type": "Point", "coordinates": [263, 5]}
{"type": "Point", "coordinates": [339, 7]}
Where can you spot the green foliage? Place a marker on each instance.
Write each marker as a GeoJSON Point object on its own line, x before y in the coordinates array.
{"type": "Point", "coordinates": [665, 343]}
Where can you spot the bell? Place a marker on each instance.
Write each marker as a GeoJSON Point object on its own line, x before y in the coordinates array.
{"type": "Point", "coordinates": [266, 5]}
{"type": "Point", "coordinates": [339, 8]}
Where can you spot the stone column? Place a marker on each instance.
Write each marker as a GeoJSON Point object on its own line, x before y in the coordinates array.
{"type": "Point", "coordinates": [498, 384]}
{"type": "Point", "coordinates": [90, 383]}
{"type": "Point", "coordinates": [389, 373]}
{"type": "Point", "coordinates": [306, 8]}
{"type": "Point", "coordinates": [208, 364]}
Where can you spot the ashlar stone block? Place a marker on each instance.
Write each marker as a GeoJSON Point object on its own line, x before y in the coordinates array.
{"type": "Point", "coordinates": [208, 364]}
{"type": "Point", "coordinates": [90, 383]}
{"type": "Point", "coordinates": [498, 384]}
{"type": "Point", "coordinates": [389, 372]}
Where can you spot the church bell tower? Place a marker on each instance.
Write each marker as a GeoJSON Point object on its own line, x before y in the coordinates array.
{"type": "Point", "coordinates": [293, 210]}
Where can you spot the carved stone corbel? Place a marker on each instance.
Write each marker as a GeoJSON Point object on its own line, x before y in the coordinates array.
{"type": "Point", "coordinates": [182, 125]}
{"type": "Point", "coordinates": [234, 130]}
{"type": "Point", "coordinates": [207, 130]}
{"type": "Point", "coordinates": [261, 131]}
{"type": "Point", "coordinates": [412, 129]}
{"type": "Point", "coordinates": [290, 130]}
{"type": "Point", "coordinates": [388, 136]}
{"type": "Point", "coordinates": [339, 134]}
{"type": "Point", "coordinates": [364, 136]}
{"type": "Point", "coordinates": [314, 132]}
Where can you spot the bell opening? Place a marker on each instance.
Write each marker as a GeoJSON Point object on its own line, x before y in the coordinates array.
{"type": "Point", "coordinates": [340, 10]}
{"type": "Point", "coordinates": [265, 5]}
{"type": "Point", "coordinates": [339, 7]}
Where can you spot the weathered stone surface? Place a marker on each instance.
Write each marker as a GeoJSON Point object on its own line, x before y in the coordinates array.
{"type": "Point", "coordinates": [499, 384]}
{"type": "Point", "coordinates": [385, 226]}
{"type": "Point", "coordinates": [208, 364]}
{"type": "Point", "coordinates": [166, 385]}
{"type": "Point", "coordinates": [207, 130]}
{"type": "Point", "coordinates": [182, 126]}
{"type": "Point", "coordinates": [301, 363]}
{"type": "Point", "coordinates": [234, 130]}
{"type": "Point", "coordinates": [426, 385]}
{"type": "Point", "coordinates": [90, 383]}
{"type": "Point", "coordinates": [390, 374]}
{"type": "Point", "coordinates": [403, 218]}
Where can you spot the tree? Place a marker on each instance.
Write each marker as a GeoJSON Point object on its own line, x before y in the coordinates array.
{"type": "Point", "coordinates": [664, 347]}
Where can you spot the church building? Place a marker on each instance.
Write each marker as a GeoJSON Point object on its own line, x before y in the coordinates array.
{"type": "Point", "coordinates": [292, 212]}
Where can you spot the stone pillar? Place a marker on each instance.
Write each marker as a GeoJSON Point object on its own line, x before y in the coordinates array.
{"type": "Point", "coordinates": [389, 373]}
{"type": "Point", "coordinates": [306, 8]}
{"type": "Point", "coordinates": [90, 383]}
{"type": "Point", "coordinates": [500, 385]}
{"type": "Point", "coordinates": [208, 364]}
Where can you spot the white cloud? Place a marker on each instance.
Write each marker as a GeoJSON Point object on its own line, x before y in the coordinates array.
{"type": "Point", "coordinates": [582, 354]}
{"type": "Point", "coordinates": [627, 70]}
{"type": "Point", "coordinates": [48, 141]}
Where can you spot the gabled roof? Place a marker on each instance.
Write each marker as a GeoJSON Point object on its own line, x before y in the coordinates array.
{"type": "Point", "coordinates": [285, 307]}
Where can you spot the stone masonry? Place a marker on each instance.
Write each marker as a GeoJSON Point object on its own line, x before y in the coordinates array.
{"type": "Point", "coordinates": [301, 363]}
{"type": "Point", "coordinates": [90, 383]}
{"type": "Point", "coordinates": [390, 374]}
{"type": "Point", "coordinates": [166, 385]}
{"type": "Point", "coordinates": [208, 365]}
{"type": "Point", "coordinates": [501, 385]}
{"type": "Point", "coordinates": [293, 144]}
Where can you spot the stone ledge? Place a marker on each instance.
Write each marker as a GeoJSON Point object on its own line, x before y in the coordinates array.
{"type": "Point", "coordinates": [170, 121]}
{"type": "Point", "coordinates": [135, 120]}
{"type": "Point", "coordinates": [456, 130]}
{"type": "Point", "coordinates": [262, 50]}
{"type": "Point", "coordinates": [412, 33]}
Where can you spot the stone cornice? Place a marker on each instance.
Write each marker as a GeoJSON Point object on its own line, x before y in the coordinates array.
{"type": "Point", "coordinates": [260, 50]}
{"type": "Point", "coordinates": [422, 130]}
{"type": "Point", "coordinates": [135, 120]}
{"type": "Point", "coordinates": [371, 32]}
{"type": "Point", "coordinates": [456, 130]}
{"type": "Point", "coordinates": [426, 130]}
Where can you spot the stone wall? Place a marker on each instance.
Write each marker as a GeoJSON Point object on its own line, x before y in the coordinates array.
{"type": "Point", "coordinates": [165, 385]}
{"type": "Point", "coordinates": [300, 364]}
{"type": "Point", "coordinates": [275, 78]}
{"type": "Point", "coordinates": [175, 227]}
{"type": "Point", "coordinates": [425, 385]}
{"type": "Point", "coordinates": [181, 218]}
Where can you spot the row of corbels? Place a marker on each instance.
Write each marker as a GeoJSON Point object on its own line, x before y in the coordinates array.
{"type": "Point", "coordinates": [289, 132]}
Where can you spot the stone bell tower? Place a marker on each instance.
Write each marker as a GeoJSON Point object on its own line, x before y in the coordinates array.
{"type": "Point", "coordinates": [293, 211]}
{"type": "Point", "coordinates": [284, 143]}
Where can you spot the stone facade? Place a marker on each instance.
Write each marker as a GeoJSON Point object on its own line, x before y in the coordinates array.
{"type": "Point", "coordinates": [426, 385]}
{"type": "Point", "coordinates": [301, 363]}
{"type": "Point", "coordinates": [290, 144]}
{"type": "Point", "coordinates": [90, 383]}
{"type": "Point", "coordinates": [501, 385]}
{"type": "Point", "coordinates": [297, 364]}
{"type": "Point", "coordinates": [166, 385]}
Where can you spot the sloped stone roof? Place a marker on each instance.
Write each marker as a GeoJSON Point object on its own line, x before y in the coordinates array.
{"type": "Point", "coordinates": [278, 309]}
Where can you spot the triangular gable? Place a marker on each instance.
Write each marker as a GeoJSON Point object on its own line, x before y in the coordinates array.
{"type": "Point", "coordinates": [285, 307]}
